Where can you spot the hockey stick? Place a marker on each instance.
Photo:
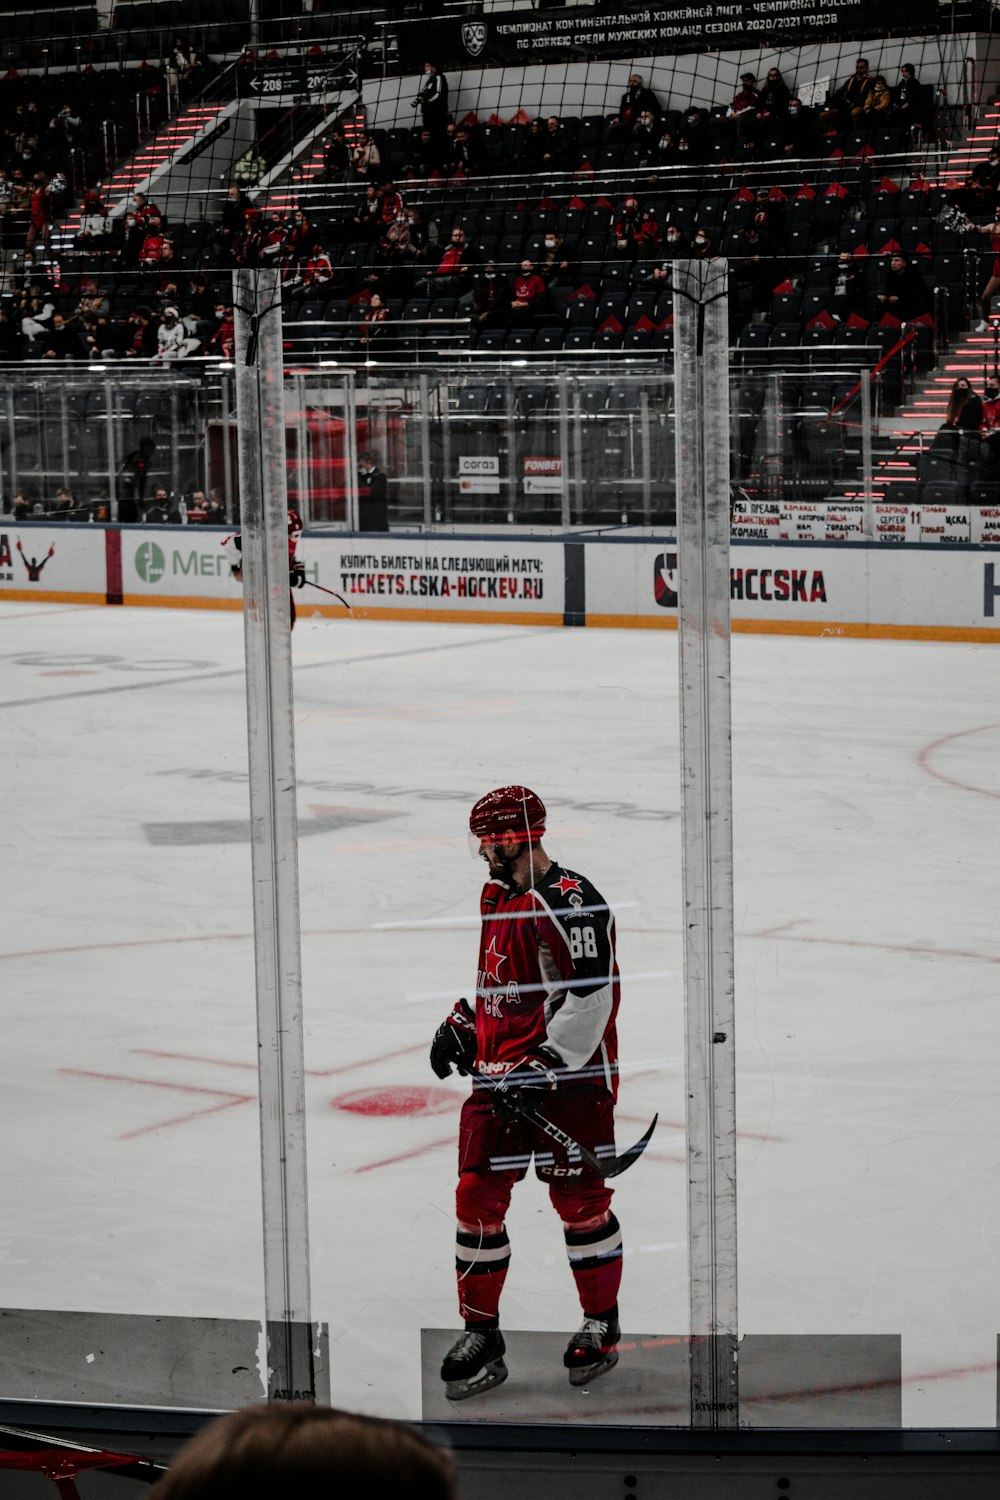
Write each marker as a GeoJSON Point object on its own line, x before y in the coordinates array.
{"type": "Point", "coordinates": [322, 590]}
{"type": "Point", "coordinates": [613, 1168]}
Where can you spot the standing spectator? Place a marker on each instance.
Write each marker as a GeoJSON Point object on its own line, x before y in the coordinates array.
{"type": "Point", "coordinates": [772, 107]}
{"type": "Point", "coordinates": [432, 101]}
{"type": "Point", "coordinates": [366, 160]}
{"type": "Point", "coordinates": [373, 494]}
{"type": "Point", "coordinates": [336, 156]}
{"type": "Point", "coordinates": [636, 101]}
{"type": "Point", "coordinates": [38, 212]}
{"type": "Point", "coordinates": [909, 106]}
{"type": "Point", "coordinates": [847, 104]}
{"type": "Point", "coordinates": [743, 108]}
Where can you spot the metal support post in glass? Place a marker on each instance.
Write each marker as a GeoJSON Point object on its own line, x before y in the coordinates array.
{"type": "Point", "coordinates": [277, 958]}
{"type": "Point", "coordinates": [175, 441]}
{"type": "Point", "coordinates": [232, 510]}
{"type": "Point", "coordinates": [425, 453]}
{"type": "Point", "coordinates": [302, 465]}
{"type": "Point", "coordinates": [578, 493]}
{"type": "Point", "coordinates": [64, 435]}
{"type": "Point", "coordinates": [565, 510]}
{"type": "Point", "coordinates": [701, 371]}
{"type": "Point", "coordinates": [114, 458]}
{"type": "Point", "coordinates": [867, 479]}
{"type": "Point", "coordinates": [352, 507]}
{"type": "Point", "coordinates": [645, 457]}
{"type": "Point", "coordinates": [510, 425]}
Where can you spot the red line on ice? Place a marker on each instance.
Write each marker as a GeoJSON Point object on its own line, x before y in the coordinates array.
{"type": "Point", "coordinates": [229, 1099]}
{"type": "Point", "coordinates": [364, 1062]}
{"type": "Point", "coordinates": [923, 760]}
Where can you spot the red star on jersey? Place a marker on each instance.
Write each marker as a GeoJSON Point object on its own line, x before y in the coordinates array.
{"type": "Point", "coordinates": [493, 959]}
{"type": "Point", "coordinates": [564, 884]}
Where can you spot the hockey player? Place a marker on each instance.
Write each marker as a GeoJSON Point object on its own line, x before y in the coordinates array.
{"type": "Point", "coordinates": [296, 569]}
{"type": "Point", "coordinates": [543, 1035]}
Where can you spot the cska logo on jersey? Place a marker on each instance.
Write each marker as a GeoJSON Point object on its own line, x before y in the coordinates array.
{"type": "Point", "coordinates": [490, 985]}
{"type": "Point", "coordinates": [565, 884]}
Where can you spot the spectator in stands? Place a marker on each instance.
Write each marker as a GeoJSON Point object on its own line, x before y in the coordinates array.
{"type": "Point", "coordinates": [466, 157]}
{"type": "Point", "coordinates": [878, 105]}
{"type": "Point", "coordinates": [909, 103]}
{"type": "Point", "coordinates": [488, 303]}
{"type": "Point", "coordinates": [61, 341]}
{"type": "Point", "coordinates": [767, 215]}
{"type": "Point", "coordinates": [425, 156]}
{"type": "Point", "coordinates": [905, 293]}
{"type": "Point", "coordinates": [664, 152]}
{"type": "Point", "coordinates": [373, 324]}
{"type": "Point", "coordinates": [318, 269]}
{"type": "Point", "coordinates": [801, 130]}
{"type": "Point", "coordinates": [529, 299]}
{"type": "Point", "coordinates": [405, 245]}
{"type": "Point", "coordinates": [36, 315]}
{"type": "Point", "coordinates": [675, 242]}
{"type": "Point", "coordinates": [557, 151]}
{"type": "Point", "coordinates": [336, 156]}
{"type": "Point", "coordinates": [961, 433]}
{"type": "Point", "coordinates": [366, 221]}
{"type": "Point", "coordinates": [298, 238]}
{"type": "Point", "coordinates": [173, 340]}
{"type": "Point", "coordinates": [772, 108]}
{"type": "Point", "coordinates": [432, 101]}
{"type": "Point", "coordinates": [847, 104]}
{"type": "Point", "coordinates": [530, 155]}
{"type": "Point", "coordinates": [222, 343]}
{"type": "Point", "coordinates": [991, 427]}
{"type": "Point", "coordinates": [849, 295]}
{"type": "Point", "coordinates": [366, 160]}
{"type": "Point", "coordinates": [97, 336]}
{"type": "Point", "coordinates": [234, 212]}
{"type": "Point", "coordinates": [96, 225]}
{"type": "Point", "coordinates": [646, 136]}
{"type": "Point", "coordinates": [557, 267]}
{"type": "Point", "coordinates": [187, 67]}
{"type": "Point", "coordinates": [743, 109]}
{"type": "Point", "coordinates": [140, 340]}
{"type": "Point", "coordinates": [695, 139]}
{"type": "Point", "coordinates": [636, 101]}
{"type": "Point", "coordinates": [755, 272]}
{"type": "Point", "coordinates": [451, 274]}
{"type": "Point", "coordinates": [11, 337]}
{"type": "Point", "coordinates": [161, 508]}
{"type": "Point", "coordinates": [704, 246]}
{"type": "Point", "coordinates": [156, 249]}
{"type": "Point", "coordinates": [38, 212]}
{"type": "Point", "coordinates": [635, 231]}
{"type": "Point", "coordinates": [390, 205]}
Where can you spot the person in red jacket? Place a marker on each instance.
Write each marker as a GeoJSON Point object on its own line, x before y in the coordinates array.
{"type": "Point", "coordinates": [543, 1035]}
{"type": "Point", "coordinates": [529, 293]}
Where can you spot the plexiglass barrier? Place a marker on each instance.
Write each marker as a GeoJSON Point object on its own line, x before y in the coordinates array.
{"type": "Point", "coordinates": [864, 1020]}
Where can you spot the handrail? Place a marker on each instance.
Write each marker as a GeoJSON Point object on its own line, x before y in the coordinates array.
{"type": "Point", "coordinates": [875, 369]}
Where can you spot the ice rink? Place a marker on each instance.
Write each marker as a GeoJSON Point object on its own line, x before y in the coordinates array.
{"type": "Point", "coordinates": [868, 1020]}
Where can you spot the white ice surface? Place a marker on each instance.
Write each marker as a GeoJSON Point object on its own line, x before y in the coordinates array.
{"type": "Point", "coordinates": [868, 1021]}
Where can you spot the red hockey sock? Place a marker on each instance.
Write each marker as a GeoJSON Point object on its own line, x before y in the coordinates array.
{"type": "Point", "coordinates": [595, 1258]}
{"type": "Point", "coordinates": [481, 1261]}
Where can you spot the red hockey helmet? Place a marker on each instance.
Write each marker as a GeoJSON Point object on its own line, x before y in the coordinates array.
{"type": "Point", "coordinates": [509, 814]}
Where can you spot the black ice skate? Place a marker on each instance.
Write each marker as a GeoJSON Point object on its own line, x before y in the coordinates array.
{"type": "Point", "coordinates": [474, 1364]}
{"type": "Point", "coordinates": [594, 1350]}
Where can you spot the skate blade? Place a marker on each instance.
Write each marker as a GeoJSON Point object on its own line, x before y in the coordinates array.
{"type": "Point", "coordinates": [584, 1374]}
{"type": "Point", "coordinates": [492, 1375]}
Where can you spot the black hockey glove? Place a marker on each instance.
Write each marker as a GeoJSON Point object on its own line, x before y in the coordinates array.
{"type": "Point", "coordinates": [527, 1082]}
{"type": "Point", "coordinates": [297, 576]}
{"type": "Point", "coordinates": [454, 1043]}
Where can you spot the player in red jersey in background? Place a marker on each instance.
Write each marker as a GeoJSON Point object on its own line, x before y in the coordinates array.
{"type": "Point", "coordinates": [543, 1033]}
{"type": "Point", "coordinates": [296, 569]}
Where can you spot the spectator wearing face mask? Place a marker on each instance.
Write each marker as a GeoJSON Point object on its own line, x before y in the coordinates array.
{"type": "Point", "coordinates": [675, 242]}
{"type": "Point", "coordinates": [488, 303]}
{"type": "Point", "coordinates": [743, 109]}
{"type": "Point", "coordinates": [878, 104]}
{"type": "Point", "coordinates": [556, 266]}
{"type": "Point", "coordinates": [704, 245]}
{"type": "Point", "coordinates": [646, 134]}
{"type": "Point", "coordinates": [772, 107]}
{"type": "Point", "coordinates": [801, 133]}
